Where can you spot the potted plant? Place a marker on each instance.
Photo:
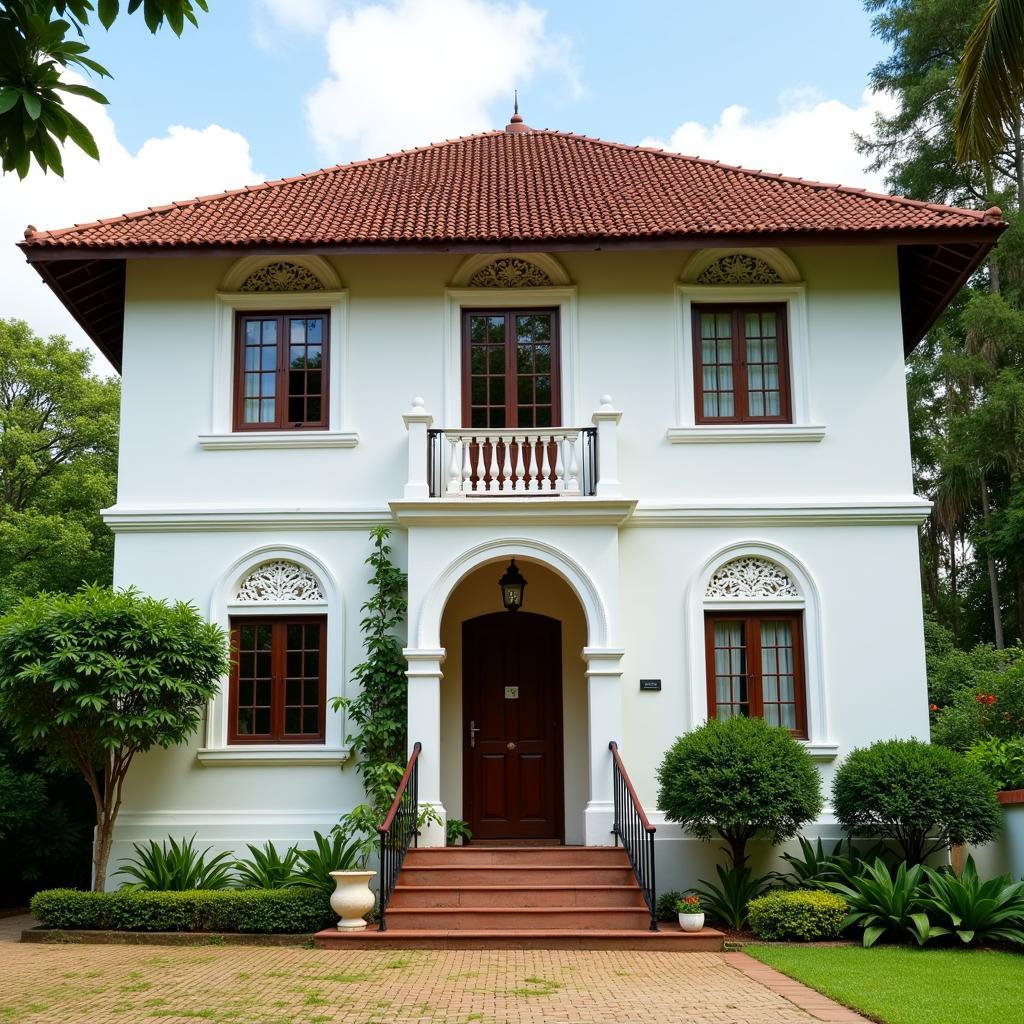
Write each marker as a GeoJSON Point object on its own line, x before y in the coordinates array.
{"type": "Point", "coordinates": [691, 913]}
{"type": "Point", "coordinates": [458, 833]}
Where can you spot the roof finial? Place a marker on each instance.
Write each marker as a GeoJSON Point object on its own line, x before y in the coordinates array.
{"type": "Point", "coordinates": [516, 122]}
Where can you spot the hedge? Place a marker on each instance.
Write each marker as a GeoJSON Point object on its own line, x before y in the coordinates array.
{"type": "Point", "coordinates": [797, 914]}
{"type": "Point", "coordinates": [283, 911]}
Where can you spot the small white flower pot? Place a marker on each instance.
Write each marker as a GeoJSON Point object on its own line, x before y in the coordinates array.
{"type": "Point", "coordinates": [352, 899]}
{"type": "Point", "coordinates": [691, 922]}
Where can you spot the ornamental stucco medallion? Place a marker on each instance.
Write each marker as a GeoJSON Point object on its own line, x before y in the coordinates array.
{"type": "Point", "coordinates": [282, 277]}
{"type": "Point", "coordinates": [510, 272]}
{"type": "Point", "coordinates": [739, 268]}
{"type": "Point", "coordinates": [751, 577]}
{"type": "Point", "coordinates": [278, 582]}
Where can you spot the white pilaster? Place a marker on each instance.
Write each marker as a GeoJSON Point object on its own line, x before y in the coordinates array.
{"type": "Point", "coordinates": [606, 419]}
{"type": "Point", "coordinates": [417, 422]}
{"type": "Point", "coordinates": [424, 725]}
{"type": "Point", "coordinates": [604, 723]}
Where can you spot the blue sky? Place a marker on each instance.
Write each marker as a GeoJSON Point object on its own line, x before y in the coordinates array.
{"type": "Point", "coordinates": [271, 88]}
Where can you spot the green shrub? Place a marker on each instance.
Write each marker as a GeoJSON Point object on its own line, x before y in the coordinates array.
{"type": "Point", "coordinates": [456, 829]}
{"type": "Point", "coordinates": [248, 910]}
{"type": "Point", "coordinates": [920, 796]}
{"type": "Point", "coordinates": [266, 868]}
{"type": "Point", "coordinates": [339, 853]}
{"type": "Point", "coordinates": [727, 902]}
{"type": "Point", "coordinates": [738, 778]}
{"type": "Point", "coordinates": [806, 914]}
{"type": "Point", "coordinates": [666, 905]}
{"type": "Point", "coordinates": [178, 868]}
{"type": "Point", "coordinates": [990, 911]}
{"type": "Point", "coordinates": [1001, 760]}
{"type": "Point", "coordinates": [813, 867]}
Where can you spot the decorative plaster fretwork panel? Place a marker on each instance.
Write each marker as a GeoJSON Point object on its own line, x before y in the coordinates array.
{"type": "Point", "coordinates": [510, 272]}
{"type": "Point", "coordinates": [282, 277]}
{"type": "Point", "coordinates": [751, 577]}
{"type": "Point", "coordinates": [278, 582]}
{"type": "Point", "coordinates": [739, 268]}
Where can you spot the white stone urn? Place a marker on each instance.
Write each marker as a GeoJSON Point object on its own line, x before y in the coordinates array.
{"type": "Point", "coordinates": [352, 899]}
{"type": "Point", "coordinates": [689, 922]}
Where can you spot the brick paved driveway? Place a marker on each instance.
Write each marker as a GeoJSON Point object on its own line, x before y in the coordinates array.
{"type": "Point", "coordinates": [74, 984]}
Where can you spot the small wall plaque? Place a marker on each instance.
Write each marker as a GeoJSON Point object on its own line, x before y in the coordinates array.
{"type": "Point", "coordinates": [650, 684]}
{"type": "Point", "coordinates": [511, 693]}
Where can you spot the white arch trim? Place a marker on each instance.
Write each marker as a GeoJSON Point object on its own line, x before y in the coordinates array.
{"type": "Point", "coordinates": [555, 271]}
{"type": "Point", "coordinates": [224, 605]}
{"type": "Point", "coordinates": [700, 260]}
{"type": "Point", "coordinates": [809, 601]}
{"type": "Point", "coordinates": [428, 629]}
{"type": "Point", "coordinates": [316, 265]}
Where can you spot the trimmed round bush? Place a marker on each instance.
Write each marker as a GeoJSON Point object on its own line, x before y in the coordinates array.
{"type": "Point", "coordinates": [797, 914]}
{"type": "Point", "coordinates": [920, 796]}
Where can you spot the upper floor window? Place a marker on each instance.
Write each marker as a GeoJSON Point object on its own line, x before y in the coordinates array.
{"type": "Point", "coordinates": [510, 369]}
{"type": "Point", "coordinates": [755, 667]}
{"type": "Point", "coordinates": [741, 362]}
{"type": "Point", "coordinates": [281, 371]}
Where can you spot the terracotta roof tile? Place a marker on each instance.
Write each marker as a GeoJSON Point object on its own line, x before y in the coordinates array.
{"type": "Point", "coordinates": [524, 186]}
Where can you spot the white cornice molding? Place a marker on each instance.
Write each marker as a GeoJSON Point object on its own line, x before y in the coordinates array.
{"type": "Point", "coordinates": [506, 511]}
{"type": "Point", "coordinates": [211, 520]}
{"type": "Point", "coordinates": [276, 439]}
{"type": "Point", "coordinates": [908, 512]}
{"type": "Point", "coordinates": [211, 757]}
{"type": "Point", "coordinates": [745, 433]}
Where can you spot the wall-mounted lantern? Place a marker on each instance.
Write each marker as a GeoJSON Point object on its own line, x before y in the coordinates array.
{"type": "Point", "coordinates": [512, 587]}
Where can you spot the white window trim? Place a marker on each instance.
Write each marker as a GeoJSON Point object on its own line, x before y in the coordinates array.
{"type": "Point", "coordinates": [819, 743]}
{"type": "Point", "coordinates": [224, 607]}
{"type": "Point", "coordinates": [561, 297]}
{"type": "Point", "coordinates": [222, 435]}
{"type": "Point", "coordinates": [804, 427]}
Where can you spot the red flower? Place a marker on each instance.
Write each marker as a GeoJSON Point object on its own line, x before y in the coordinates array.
{"type": "Point", "coordinates": [933, 707]}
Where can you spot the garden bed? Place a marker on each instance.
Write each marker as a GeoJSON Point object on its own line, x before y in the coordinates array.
{"type": "Point", "coordinates": [109, 937]}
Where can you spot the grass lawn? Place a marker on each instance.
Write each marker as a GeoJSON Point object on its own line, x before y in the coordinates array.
{"type": "Point", "coordinates": [899, 985]}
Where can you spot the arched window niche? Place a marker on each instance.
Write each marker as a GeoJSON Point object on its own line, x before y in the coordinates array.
{"type": "Point", "coordinates": [749, 583]}
{"type": "Point", "coordinates": [274, 588]}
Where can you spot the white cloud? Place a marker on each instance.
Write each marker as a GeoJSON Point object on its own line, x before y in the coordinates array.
{"type": "Point", "coordinates": [810, 137]}
{"type": "Point", "coordinates": [414, 71]}
{"type": "Point", "coordinates": [303, 15]}
{"type": "Point", "coordinates": [183, 163]}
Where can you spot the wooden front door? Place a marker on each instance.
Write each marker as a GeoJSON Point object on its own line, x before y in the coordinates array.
{"type": "Point", "coordinates": [512, 726]}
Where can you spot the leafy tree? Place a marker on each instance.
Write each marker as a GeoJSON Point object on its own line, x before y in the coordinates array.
{"type": "Point", "coordinates": [922, 797]}
{"type": "Point", "coordinates": [40, 39]}
{"type": "Point", "coordinates": [737, 778]}
{"type": "Point", "coordinates": [94, 678]}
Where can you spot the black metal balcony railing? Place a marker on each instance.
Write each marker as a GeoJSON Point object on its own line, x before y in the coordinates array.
{"type": "Point", "coordinates": [399, 832]}
{"type": "Point", "coordinates": [507, 463]}
{"type": "Point", "coordinates": [635, 831]}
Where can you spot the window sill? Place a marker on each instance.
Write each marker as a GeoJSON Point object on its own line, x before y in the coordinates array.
{"type": "Point", "coordinates": [821, 751]}
{"type": "Point", "coordinates": [710, 433]}
{"type": "Point", "coordinates": [263, 440]}
{"type": "Point", "coordinates": [278, 754]}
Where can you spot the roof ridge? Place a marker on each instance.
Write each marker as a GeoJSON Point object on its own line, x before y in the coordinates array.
{"type": "Point", "coordinates": [992, 214]}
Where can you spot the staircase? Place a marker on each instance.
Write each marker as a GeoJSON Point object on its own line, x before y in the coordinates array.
{"type": "Point", "coordinates": [548, 897]}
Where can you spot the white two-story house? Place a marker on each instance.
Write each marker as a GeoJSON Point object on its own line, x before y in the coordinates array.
{"type": "Point", "coordinates": [672, 391]}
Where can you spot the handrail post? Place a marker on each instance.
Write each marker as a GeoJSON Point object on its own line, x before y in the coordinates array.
{"type": "Point", "coordinates": [417, 422]}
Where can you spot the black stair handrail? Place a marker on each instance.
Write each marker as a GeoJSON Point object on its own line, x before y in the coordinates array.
{"type": "Point", "coordinates": [399, 831]}
{"type": "Point", "coordinates": [636, 832]}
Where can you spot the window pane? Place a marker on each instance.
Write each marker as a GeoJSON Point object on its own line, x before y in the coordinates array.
{"type": "Point", "coordinates": [716, 371]}
{"type": "Point", "coordinates": [778, 681]}
{"type": "Point", "coordinates": [292, 720]}
{"type": "Point", "coordinates": [763, 367]}
{"type": "Point", "coordinates": [730, 667]}
{"type": "Point", "coordinates": [311, 721]}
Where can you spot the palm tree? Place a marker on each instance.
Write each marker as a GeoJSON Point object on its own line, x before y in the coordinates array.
{"type": "Point", "coordinates": [990, 83]}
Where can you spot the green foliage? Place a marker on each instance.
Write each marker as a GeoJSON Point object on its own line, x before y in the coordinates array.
{"type": "Point", "coordinates": [976, 911]}
{"type": "Point", "coordinates": [92, 679]}
{"type": "Point", "coordinates": [456, 829]}
{"type": "Point", "coordinates": [881, 903]}
{"type": "Point", "coordinates": [39, 41]}
{"type": "Point", "coordinates": [727, 901]}
{"type": "Point", "coordinates": [737, 778]}
{"type": "Point", "coordinates": [665, 909]}
{"type": "Point", "coordinates": [338, 853]}
{"type": "Point", "coordinates": [282, 911]}
{"type": "Point", "coordinates": [798, 914]}
{"type": "Point", "coordinates": [266, 868]}
{"type": "Point", "coordinates": [814, 868]}
{"type": "Point", "coordinates": [920, 796]}
{"type": "Point", "coordinates": [1002, 761]}
{"type": "Point", "coordinates": [176, 868]}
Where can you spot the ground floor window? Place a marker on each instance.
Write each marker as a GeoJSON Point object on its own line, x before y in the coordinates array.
{"type": "Point", "coordinates": [755, 667]}
{"type": "Point", "coordinates": [278, 679]}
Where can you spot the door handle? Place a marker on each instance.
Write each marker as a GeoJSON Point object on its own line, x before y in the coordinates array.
{"type": "Point", "coordinates": [510, 745]}
{"type": "Point", "coordinates": [473, 730]}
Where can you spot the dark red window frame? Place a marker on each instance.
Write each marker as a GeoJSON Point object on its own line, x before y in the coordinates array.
{"type": "Point", "coordinates": [739, 363]}
{"type": "Point", "coordinates": [751, 621]}
{"type": "Point", "coordinates": [510, 369]}
{"type": "Point", "coordinates": [278, 680]}
{"type": "Point", "coordinates": [282, 371]}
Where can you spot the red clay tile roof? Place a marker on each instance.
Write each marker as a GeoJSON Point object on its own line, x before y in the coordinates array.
{"type": "Point", "coordinates": [516, 187]}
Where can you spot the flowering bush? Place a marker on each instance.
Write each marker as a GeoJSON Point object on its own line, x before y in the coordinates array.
{"type": "Point", "coordinates": [690, 904]}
